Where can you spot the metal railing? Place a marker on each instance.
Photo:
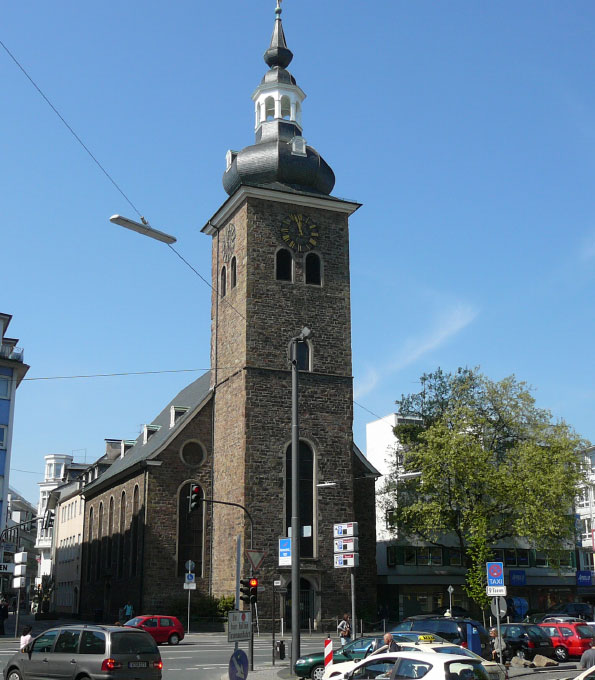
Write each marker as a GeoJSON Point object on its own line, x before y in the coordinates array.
{"type": "Point", "coordinates": [11, 352]}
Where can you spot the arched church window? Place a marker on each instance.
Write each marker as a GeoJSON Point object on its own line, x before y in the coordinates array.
{"type": "Point", "coordinates": [285, 107]}
{"type": "Point", "coordinates": [304, 356]}
{"type": "Point", "coordinates": [110, 533]}
{"type": "Point", "coordinates": [269, 108]}
{"type": "Point", "coordinates": [306, 491]}
{"type": "Point", "coordinates": [223, 285]}
{"type": "Point", "coordinates": [122, 528]}
{"type": "Point", "coordinates": [99, 541]}
{"type": "Point", "coordinates": [134, 527]}
{"type": "Point", "coordinates": [234, 272]}
{"type": "Point", "coordinates": [190, 530]}
{"type": "Point", "coordinates": [283, 265]}
{"type": "Point", "coordinates": [90, 546]}
{"type": "Point", "coordinates": [313, 269]}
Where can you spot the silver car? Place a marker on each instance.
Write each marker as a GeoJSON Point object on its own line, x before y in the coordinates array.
{"type": "Point", "coordinates": [87, 653]}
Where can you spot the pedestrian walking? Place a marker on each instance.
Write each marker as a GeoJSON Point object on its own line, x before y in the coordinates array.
{"type": "Point", "coordinates": [588, 657]}
{"type": "Point", "coordinates": [498, 644]}
{"type": "Point", "coordinates": [391, 645]}
{"type": "Point", "coordinates": [344, 629]}
{"type": "Point", "coordinates": [128, 611]}
{"type": "Point", "coordinates": [26, 637]}
{"type": "Point", "coordinates": [3, 615]}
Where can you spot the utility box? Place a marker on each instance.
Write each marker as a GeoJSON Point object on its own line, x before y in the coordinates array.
{"type": "Point", "coordinates": [280, 649]}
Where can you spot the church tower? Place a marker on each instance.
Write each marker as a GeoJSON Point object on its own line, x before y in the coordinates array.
{"type": "Point", "coordinates": [280, 262]}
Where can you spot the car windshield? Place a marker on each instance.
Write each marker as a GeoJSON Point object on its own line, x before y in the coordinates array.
{"type": "Point", "coordinates": [133, 643]}
{"type": "Point", "coordinates": [455, 649]}
{"type": "Point", "coordinates": [536, 633]}
{"type": "Point", "coordinates": [585, 632]}
{"type": "Point", "coordinates": [465, 670]}
{"type": "Point", "coordinates": [134, 622]}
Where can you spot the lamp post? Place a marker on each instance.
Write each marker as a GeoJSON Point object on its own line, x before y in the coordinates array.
{"type": "Point", "coordinates": [295, 498]}
{"type": "Point", "coordinates": [145, 229]}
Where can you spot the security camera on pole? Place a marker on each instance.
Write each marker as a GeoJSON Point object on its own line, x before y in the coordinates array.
{"type": "Point", "coordinates": [346, 555]}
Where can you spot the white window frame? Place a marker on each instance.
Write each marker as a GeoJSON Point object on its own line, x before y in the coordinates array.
{"type": "Point", "coordinates": [3, 436]}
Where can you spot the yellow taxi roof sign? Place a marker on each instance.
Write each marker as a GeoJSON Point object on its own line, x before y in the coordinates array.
{"type": "Point", "coordinates": [426, 638]}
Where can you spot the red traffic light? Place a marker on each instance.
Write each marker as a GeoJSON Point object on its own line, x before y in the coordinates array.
{"type": "Point", "coordinates": [253, 583]}
{"type": "Point", "coordinates": [195, 489]}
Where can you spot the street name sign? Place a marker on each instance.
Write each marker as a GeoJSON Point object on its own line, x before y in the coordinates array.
{"type": "Point", "coordinates": [346, 545]}
{"type": "Point", "coordinates": [346, 560]}
{"type": "Point", "coordinates": [239, 625]}
{"type": "Point", "coordinates": [496, 591]}
{"type": "Point", "coordinates": [345, 529]}
{"type": "Point", "coordinates": [6, 568]}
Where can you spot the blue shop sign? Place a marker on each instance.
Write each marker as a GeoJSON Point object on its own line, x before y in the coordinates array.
{"type": "Point", "coordinates": [517, 577]}
{"type": "Point", "coordinates": [583, 578]}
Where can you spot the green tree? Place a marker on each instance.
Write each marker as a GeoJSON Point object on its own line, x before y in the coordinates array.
{"type": "Point", "coordinates": [492, 466]}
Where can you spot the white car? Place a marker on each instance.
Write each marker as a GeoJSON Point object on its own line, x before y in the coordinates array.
{"type": "Point", "coordinates": [410, 666]}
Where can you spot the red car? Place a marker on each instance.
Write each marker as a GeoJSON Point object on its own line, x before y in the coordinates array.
{"type": "Point", "coordinates": [569, 639]}
{"type": "Point", "coordinates": [162, 628]}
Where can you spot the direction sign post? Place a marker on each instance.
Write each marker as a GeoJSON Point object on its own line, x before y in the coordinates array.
{"type": "Point", "coordinates": [496, 588]}
{"type": "Point", "coordinates": [346, 545]}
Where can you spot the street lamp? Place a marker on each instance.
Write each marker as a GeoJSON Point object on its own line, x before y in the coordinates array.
{"type": "Point", "coordinates": [145, 228]}
{"type": "Point", "coordinates": [295, 504]}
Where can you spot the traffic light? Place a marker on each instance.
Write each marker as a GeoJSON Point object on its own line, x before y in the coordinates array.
{"type": "Point", "coordinates": [245, 589]}
{"type": "Point", "coordinates": [49, 519]}
{"type": "Point", "coordinates": [194, 497]}
{"type": "Point", "coordinates": [253, 590]}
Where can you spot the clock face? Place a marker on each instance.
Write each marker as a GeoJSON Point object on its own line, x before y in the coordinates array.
{"type": "Point", "coordinates": [229, 242]}
{"type": "Point", "coordinates": [299, 232]}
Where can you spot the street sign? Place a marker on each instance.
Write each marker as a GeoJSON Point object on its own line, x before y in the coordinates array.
{"type": "Point", "coordinates": [346, 560]}
{"type": "Point", "coordinates": [189, 586]}
{"type": "Point", "coordinates": [496, 591]}
{"type": "Point", "coordinates": [495, 573]}
{"type": "Point", "coordinates": [6, 568]}
{"type": "Point", "coordinates": [238, 665]}
{"type": "Point", "coordinates": [19, 582]}
{"type": "Point", "coordinates": [285, 552]}
{"type": "Point", "coordinates": [345, 529]}
{"type": "Point", "coordinates": [239, 625]}
{"type": "Point", "coordinates": [499, 607]}
{"type": "Point", "coordinates": [346, 545]}
{"type": "Point", "coordinates": [450, 590]}
{"type": "Point", "coordinates": [189, 578]}
{"type": "Point", "coordinates": [255, 557]}
{"type": "Point", "coordinates": [190, 565]}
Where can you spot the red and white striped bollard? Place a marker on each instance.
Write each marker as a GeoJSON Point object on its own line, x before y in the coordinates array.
{"type": "Point", "coordinates": [328, 651]}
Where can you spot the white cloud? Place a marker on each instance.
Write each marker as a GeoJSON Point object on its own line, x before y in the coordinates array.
{"type": "Point", "coordinates": [448, 323]}
{"type": "Point", "coordinates": [366, 384]}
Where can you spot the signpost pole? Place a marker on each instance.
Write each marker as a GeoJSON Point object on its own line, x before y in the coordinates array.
{"type": "Point", "coordinates": [353, 623]}
{"type": "Point", "coordinates": [499, 639]}
{"type": "Point", "coordinates": [16, 618]}
{"type": "Point", "coordinates": [238, 576]}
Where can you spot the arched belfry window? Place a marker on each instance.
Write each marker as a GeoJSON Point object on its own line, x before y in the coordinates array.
{"type": "Point", "coordinates": [285, 107]}
{"type": "Point", "coordinates": [233, 272]}
{"type": "Point", "coordinates": [190, 530]}
{"type": "Point", "coordinates": [269, 108]}
{"type": "Point", "coordinates": [223, 284]}
{"type": "Point", "coordinates": [313, 267]}
{"type": "Point", "coordinates": [283, 265]}
{"type": "Point", "coordinates": [306, 491]}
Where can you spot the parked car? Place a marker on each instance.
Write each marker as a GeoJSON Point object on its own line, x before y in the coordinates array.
{"type": "Point", "coordinates": [161, 628]}
{"type": "Point", "coordinates": [579, 610]}
{"type": "Point", "coordinates": [455, 629]}
{"type": "Point", "coordinates": [92, 652]}
{"type": "Point", "coordinates": [568, 638]}
{"type": "Point", "coordinates": [455, 611]}
{"type": "Point", "coordinates": [525, 640]}
{"type": "Point", "coordinates": [312, 665]}
{"type": "Point", "coordinates": [414, 665]}
{"type": "Point", "coordinates": [562, 619]}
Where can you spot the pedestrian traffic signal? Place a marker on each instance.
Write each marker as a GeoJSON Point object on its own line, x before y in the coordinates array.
{"type": "Point", "coordinates": [49, 519]}
{"type": "Point", "coordinates": [253, 590]}
{"type": "Point", "coordinates": [194, 497]}
{"type": "Point", "coordinates": [245, 589]}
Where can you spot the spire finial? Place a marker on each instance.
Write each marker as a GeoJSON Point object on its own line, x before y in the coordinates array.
{"type": "Point", "coordinates": [278, 53]}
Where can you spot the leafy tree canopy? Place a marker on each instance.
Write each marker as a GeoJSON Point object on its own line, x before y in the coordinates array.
{"type": "Point", "coordinates": [493, 466]}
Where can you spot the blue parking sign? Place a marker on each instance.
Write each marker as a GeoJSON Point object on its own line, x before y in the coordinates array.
{"type": "Point", "coordinates": [495, 574]}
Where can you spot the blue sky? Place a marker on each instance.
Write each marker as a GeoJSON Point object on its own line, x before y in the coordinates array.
{"type": "Point", "coordinates": [465, 128]}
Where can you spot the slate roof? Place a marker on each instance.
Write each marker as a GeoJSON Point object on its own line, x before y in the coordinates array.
{"type": "Point", "coordinates": [191, 397]}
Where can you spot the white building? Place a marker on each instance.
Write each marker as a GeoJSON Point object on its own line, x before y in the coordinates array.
{"type": "Point", "coordinates": [585, 510]}
{"type": "Point", "coordinates": [59, 468]}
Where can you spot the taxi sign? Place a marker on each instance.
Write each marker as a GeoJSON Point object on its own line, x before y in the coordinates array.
{"type": "Point", "coordinates": [426, 638]}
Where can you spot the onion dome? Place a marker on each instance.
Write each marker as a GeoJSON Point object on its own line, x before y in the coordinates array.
{"type": "Point", "coordinates": [280, 158]}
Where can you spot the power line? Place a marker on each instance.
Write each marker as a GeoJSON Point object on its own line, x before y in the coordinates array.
{"type": "Point", "coordinates": [111, 375]}
{"type": "Point", "coordinates": [78, 139]}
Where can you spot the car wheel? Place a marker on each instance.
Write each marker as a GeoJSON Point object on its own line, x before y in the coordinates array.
{"type": "Point", "coordinates": [561, 653]}
{"type": "Point", "coordinates": [317, 673]}
{"type": "Point", "coordinates": [174, 639]}
{"type": "Point", "coordinates": [14, 675]}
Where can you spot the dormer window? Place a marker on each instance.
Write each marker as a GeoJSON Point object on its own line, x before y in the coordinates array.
{"type": "Point", "coordinates": [230, 157]}
{"type": "Point", "coordinates": [125, 446]}
{"type": "Point", "coordinates": [176, 413]}
{"type": "Point", "coordinates": [298, 146]}
{"type": "Point", "coordinates": [149, 432]}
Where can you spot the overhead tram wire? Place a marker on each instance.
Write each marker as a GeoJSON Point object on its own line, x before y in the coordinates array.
{"type": "Point", "coordinates": [137, 211]}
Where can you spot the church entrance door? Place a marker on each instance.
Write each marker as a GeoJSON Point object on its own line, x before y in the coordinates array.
{"type": "Point", "coordinates": [306, 604]}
